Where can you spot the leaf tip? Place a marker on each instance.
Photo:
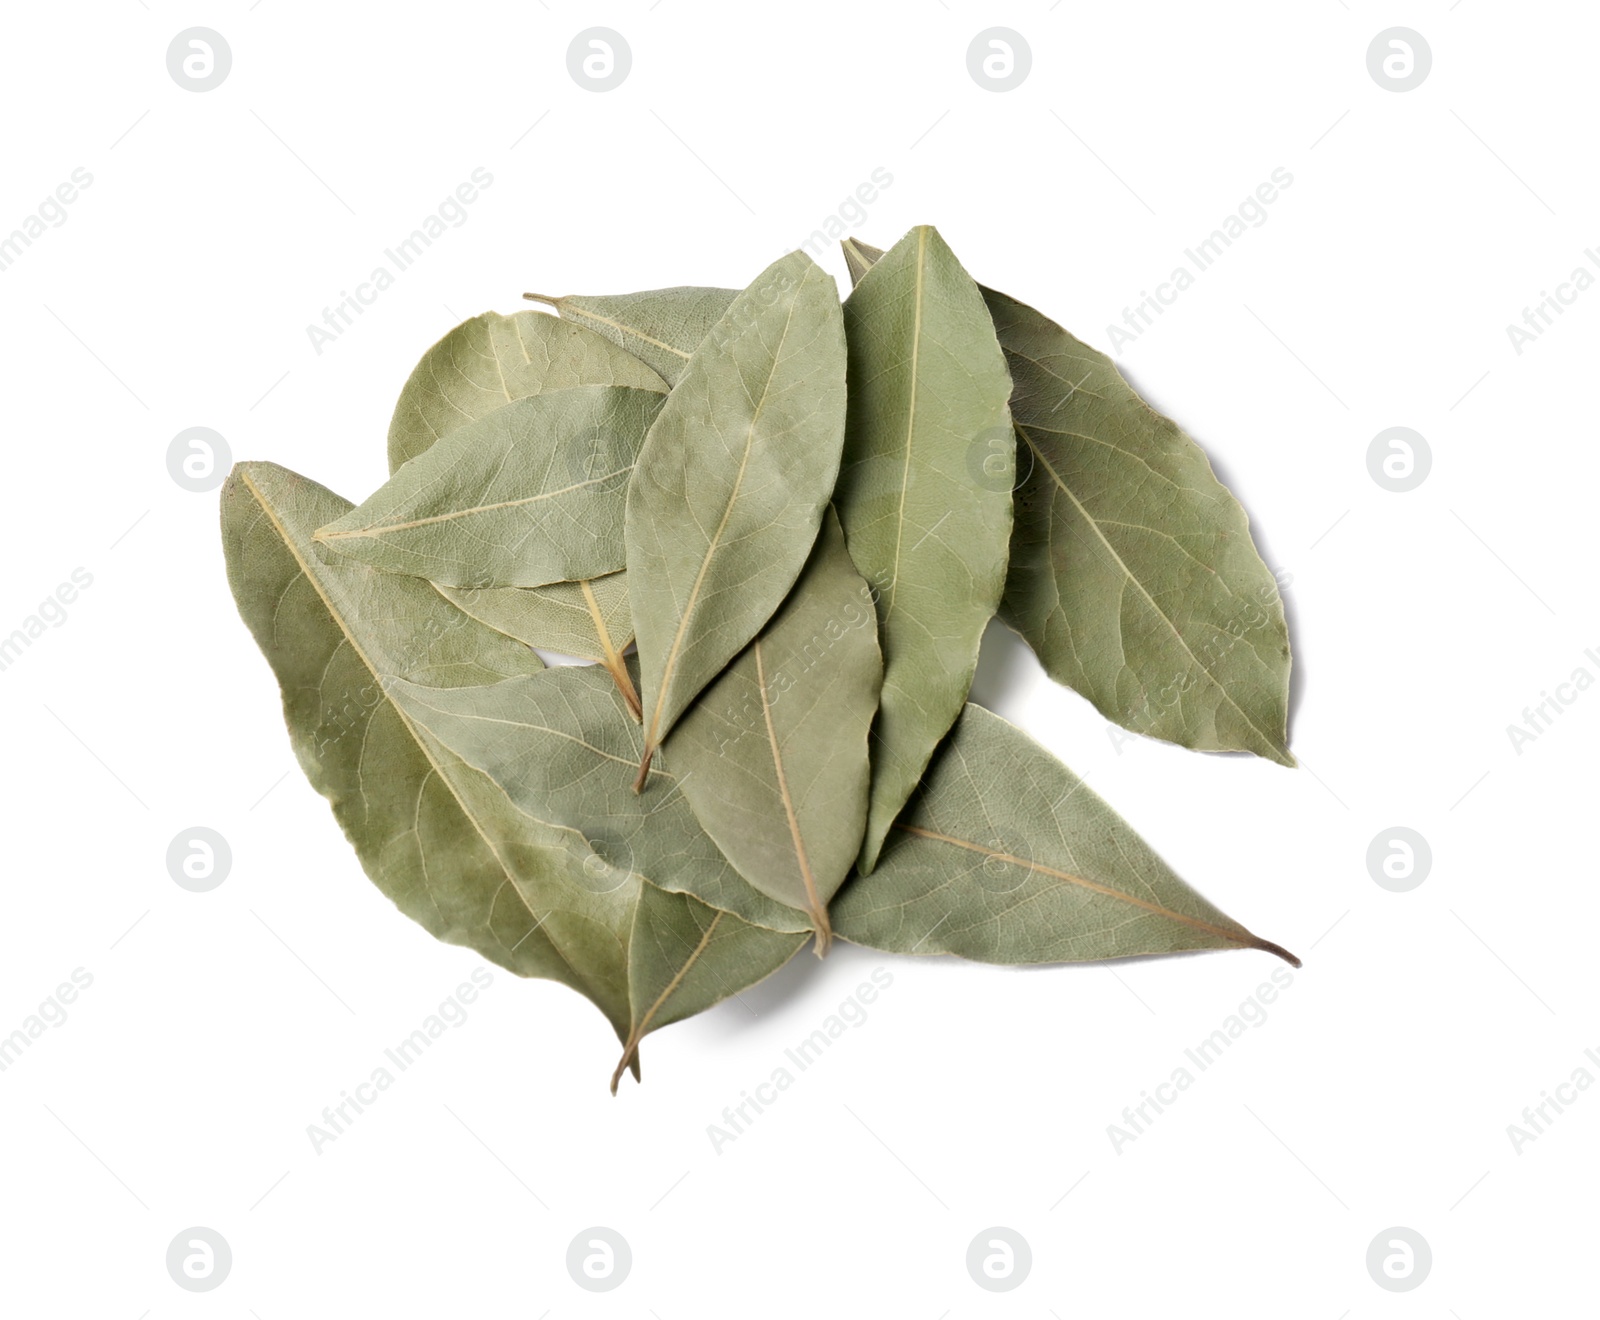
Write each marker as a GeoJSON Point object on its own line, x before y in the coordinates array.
{"type": "Point", "coordinates": [859, 257]}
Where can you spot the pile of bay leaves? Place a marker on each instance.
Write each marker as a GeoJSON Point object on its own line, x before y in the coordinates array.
{"type": "Point", "coordinates": [778, 526]}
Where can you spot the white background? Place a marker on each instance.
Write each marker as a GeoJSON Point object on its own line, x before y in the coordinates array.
{"type": "Point", "coordinates": [1378, 1091]}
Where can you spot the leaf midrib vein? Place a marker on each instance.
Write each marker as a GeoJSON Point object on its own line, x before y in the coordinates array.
{"type": "Point", "coordinates": [385, 529]}
{"type": "Point", "coordinates": [411, 728]}
{"type": "Point", "coordinates": [911, 424]}
{"type": "Point", "coordinates": [624, 328]}
{"type": "Point", "coordinates": [819, 912]}
{"type": "Point", "coordinates": [1039, 868]}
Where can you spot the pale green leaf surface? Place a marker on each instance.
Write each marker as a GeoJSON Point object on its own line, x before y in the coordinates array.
{"type": "Point", "coordinates": [1005, 857]}
{"type": "Point", "coordinates": [563, 749]}
{"type": "Point", "coordinates": [927, 517]}
{"type": "Point", "coordinates": [559, 617]}
{"type": "Point", "coordinates": [661, 327]}
{"type": "Point", "coordinates": [773, 755]}
{"type": "Point", "coordinates": [529, 494]}
{"type": "Point", "coordinates": [731, 483]}
{"type": "Point", "coordinates": [491, 360]}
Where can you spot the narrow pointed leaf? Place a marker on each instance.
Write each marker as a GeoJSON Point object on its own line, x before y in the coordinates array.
{"type": "Point", "coordinates": [731, 483]}
{"type": "Point", "coordinates": [1005, 857]}
{"type": "Point", "coordinates": [684, 957]}
{"type": "Point", "coordinates": [480, 366]}
{"type": "Point", "coordinates": [563, 750]}
{"type": "Point", "coordinates": [859, 258]}
{"type": "Point", "coordinates": [492, 360]}
{"type": "Point", "coordinates": [661, 327]}
{"type": "Point", "coordinates": [529, 494]}
{"type": "Point", "coordinates": [1133, 575]}
{"type": "Point", "coordinates": [773, 756]}
{"type": "Point", "coordinates": [433, 834]}
{"type": "Point", "coordinates": [590, 620]}
{"type": "Point", "coordinates": [926, 513]}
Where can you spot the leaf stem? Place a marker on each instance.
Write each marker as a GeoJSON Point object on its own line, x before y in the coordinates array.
{"type": "Point", "coordinates": [630, 694]}
{"type": "Point", "coordinates": [1267, 946]}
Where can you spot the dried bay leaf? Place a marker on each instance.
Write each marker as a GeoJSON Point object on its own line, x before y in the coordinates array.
{"type": "Point", "coordinates": [492, 360]}
{"type": "Point", "coordinates": [482, 365]}
{"type": "Point", "coordinates": [529, 494]}
{"type": "Point", "coordinates": [686, 956]}
{"type": "Point", "coordinates": [661, 327]}
{"type": "Point", "coordinates": [1133, 573]}
{"type": "Point", "coordinates": [731, 484]}
{"type": "Point", "coordinates": [1005, 857]}
{"type": "Point", "coordinates": [927, 522]}
{"type": "Point", "coordinates": [773, 755]}
{"type": "Point", "coordinates": [1134, 576]}
{"type": "Point", "coordinates": [590, 620]}
{"type": "Point", "coordinates": [563, 750]}
{"type": "Point", "coordinates": [435, 835]}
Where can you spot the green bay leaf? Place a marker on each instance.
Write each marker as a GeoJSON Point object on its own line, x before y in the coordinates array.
{"type": "Point", "coordinates": [434, 834]}
{"type": "Point", "coordinates": [480, 366]}
{"type": "Point", "coordinates": [529, 494]}
{"type": "Point", "coordinates": [1005, 857]}
{"type": "Point", "coordinates": [773, 755]}
{"type": "Point", "coordinates": [927, 518]}
{"type": "Point", "coordinates": [661, 327]}
{"type": "Point", "coordinates": [492, 360]}
{"type": "Point", "coordinates": [731, 484]}
{"type": "Point", "coordinates": [1133, 574]}
{"type": "Point", "coordinates": [563, 750]}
